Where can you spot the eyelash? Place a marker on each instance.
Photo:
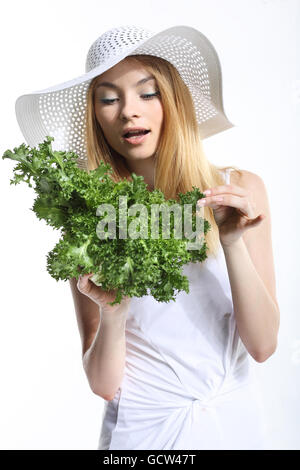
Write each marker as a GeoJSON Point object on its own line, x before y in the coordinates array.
{"type": "Point", "coordinates": [148, 97]}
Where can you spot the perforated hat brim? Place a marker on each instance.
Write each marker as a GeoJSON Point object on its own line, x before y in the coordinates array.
{"type": "Point", "coordinates": [59, 111]}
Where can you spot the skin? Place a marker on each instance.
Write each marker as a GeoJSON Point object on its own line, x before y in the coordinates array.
{"type": "Point", "coordinates": [104, 347]}
{"type": "Point", "coordinates": [130, 109]}
{"type": "Point", "coordinates": [244, 221]}
{"type": "Point", "coordinates": [242, 215]}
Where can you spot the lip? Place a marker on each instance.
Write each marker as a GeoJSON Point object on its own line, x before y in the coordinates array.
{"type": "Point", "coordinates": [127, 129]}
{"type": "Point", "coordinates": [136, 140]}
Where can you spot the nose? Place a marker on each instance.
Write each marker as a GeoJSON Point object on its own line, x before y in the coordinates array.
{"type": "Point", "coordinates": [129, 109]}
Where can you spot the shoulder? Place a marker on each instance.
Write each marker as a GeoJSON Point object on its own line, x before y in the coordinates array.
{"type": "Point", "coordinates": [255, 186]}
{"type": "Point", "coordinates": [258, 240]}
{"type": "Point", "coordinates": [246, 179]}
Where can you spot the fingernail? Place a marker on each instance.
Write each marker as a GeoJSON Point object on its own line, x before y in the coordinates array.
{"type": "Point", "coordinates": [207, 192]}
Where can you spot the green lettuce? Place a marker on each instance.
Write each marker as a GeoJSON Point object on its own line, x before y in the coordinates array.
{"type": "Point", "coordinates": [67, 198]}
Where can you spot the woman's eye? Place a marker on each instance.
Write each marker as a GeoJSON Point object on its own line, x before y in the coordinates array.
{"type": "Point", "coordinates": [147, 96]}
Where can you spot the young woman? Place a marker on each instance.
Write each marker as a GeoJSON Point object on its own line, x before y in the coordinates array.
{"type": "Point", "coordinates": [174, 375]}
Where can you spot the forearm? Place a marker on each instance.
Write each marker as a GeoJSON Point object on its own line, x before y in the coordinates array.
{"type": "Point", "coordinates": [104, 361]}
{"type": "Point", "coordinates": [256, 313]}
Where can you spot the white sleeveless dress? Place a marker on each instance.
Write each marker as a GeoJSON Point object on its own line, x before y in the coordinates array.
{"type": "Point", "coordinates": [188, 381]}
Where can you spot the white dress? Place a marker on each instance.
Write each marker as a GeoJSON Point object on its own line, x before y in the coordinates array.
{"type": "Point", "coordinates": [188, 381]}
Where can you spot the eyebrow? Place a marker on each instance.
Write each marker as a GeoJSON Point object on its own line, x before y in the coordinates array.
{"type": "Point", "coordinates": [112, 85]}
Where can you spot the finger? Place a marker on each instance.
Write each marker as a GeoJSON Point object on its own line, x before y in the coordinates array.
{"type": "Point", "coordinates": [257, 220]}
{"type": "Point", "coordinates": [212, 204]}
{"type": "Point", "coordinates": [209, 201]}
{"type": "Point", "coordinates": [231, 200]}
{"type": "Point", "coordinates": [227, 189]}
{"type": "Point", "coordinates": [83, 282]}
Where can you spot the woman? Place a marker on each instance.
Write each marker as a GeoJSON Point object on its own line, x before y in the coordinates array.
{"type": "Point", "coordinates": [174, 375]}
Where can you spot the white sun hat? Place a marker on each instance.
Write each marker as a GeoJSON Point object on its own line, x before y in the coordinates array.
{"type": "Point", "coordinates": [59, 111]}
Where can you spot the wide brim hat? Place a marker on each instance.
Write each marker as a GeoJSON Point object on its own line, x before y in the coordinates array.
{"type": "Point", "coordinates": [59, 111]}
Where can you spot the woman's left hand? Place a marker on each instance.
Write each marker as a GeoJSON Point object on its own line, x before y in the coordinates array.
{"type": "Point", "coordinates": [234, 213]}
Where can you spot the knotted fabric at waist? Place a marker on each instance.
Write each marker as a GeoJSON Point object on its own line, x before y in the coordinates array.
{"type": "Point", "coordinates": [187, 421]}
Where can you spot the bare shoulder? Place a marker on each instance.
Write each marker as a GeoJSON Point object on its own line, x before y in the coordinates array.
{"type": "Point", "coordinates": [255, 185]}
{"type": "Point", "coordinates": [246, 179]}
{"type": "Point", "coordinates": [258, 240]}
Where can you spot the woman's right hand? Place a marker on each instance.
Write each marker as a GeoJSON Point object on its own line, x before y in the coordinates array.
{"type": "Point", "coordinates": [102, 297]}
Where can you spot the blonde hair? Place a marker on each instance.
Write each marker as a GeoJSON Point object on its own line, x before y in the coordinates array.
{"type": "Point", "coordinates": [180, 161]}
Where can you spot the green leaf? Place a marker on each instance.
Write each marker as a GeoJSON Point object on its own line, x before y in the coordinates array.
{"type": "Point", "coordinates": [67, 199]}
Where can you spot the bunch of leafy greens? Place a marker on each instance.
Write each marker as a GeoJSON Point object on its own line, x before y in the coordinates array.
{"type": "Point", "coordinates": [68, 198]}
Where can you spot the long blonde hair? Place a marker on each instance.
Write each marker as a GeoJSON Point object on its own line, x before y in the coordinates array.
{"type": "Point", "coordinates": [180, 161]}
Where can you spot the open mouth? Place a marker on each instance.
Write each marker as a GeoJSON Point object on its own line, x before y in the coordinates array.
{"type": "Point", "coordinates": [136, 133]}
{"type": "Point", "coordinates": [137, 137]}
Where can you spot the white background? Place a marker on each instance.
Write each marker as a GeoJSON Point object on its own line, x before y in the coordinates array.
{"type": "Point", "coordinates": [46, 402]}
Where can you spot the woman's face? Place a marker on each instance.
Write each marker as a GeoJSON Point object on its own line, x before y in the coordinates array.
{"type": "Point", "coordinates": [132, 105]}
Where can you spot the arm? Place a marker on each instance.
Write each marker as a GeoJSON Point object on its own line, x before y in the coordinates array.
{"type": "Point", "coordinates": [256, 313]}
{"type": "Point", "coordinates": [102, 332]}
{"type": "Point", "coordinates": [252, 278]}
{"type": "Point", "coordinates": [104, 361]}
